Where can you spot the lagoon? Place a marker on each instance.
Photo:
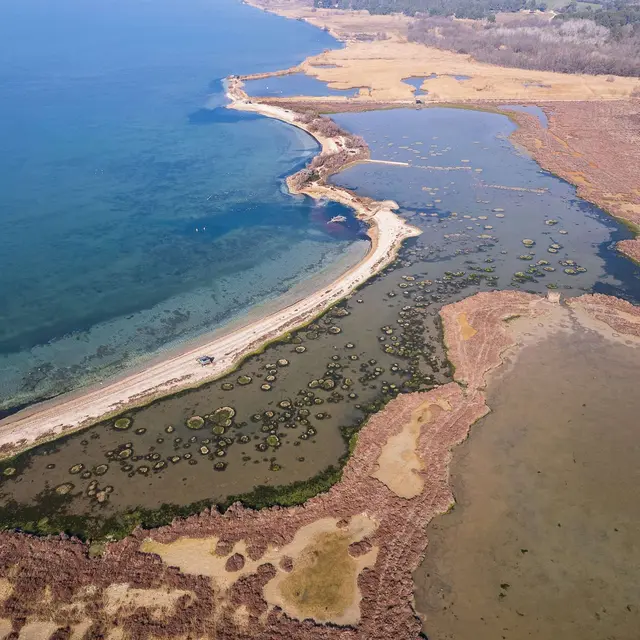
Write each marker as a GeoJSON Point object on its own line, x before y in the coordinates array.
{"type": "Point", "coordinates": [324, 380]}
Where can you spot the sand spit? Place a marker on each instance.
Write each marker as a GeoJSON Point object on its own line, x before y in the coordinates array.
{"type": "Point", "coordinates": [338, 567]}
{"type": "Point", "coordinates": [601, 159]}
{"type": "Point", "coordinates": [386, 230]}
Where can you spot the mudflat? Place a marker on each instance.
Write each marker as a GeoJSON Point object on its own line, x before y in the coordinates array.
{"type": "Point", "coordinates": [543, 539]}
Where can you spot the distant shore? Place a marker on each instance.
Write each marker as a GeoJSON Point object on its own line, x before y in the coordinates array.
{"type": "Point", "coordinates": [72, 412]}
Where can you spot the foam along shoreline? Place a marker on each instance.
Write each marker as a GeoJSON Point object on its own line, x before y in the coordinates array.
{"type": "Point", "coordinates": [72, 412]}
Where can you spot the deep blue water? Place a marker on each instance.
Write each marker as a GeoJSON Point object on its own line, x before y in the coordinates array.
{"type": "Point", "coordinates": [134, 210]}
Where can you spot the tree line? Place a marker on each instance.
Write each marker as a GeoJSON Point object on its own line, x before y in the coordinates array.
{"type": "Point", "coordinates": [571, 46]}
{"type": "Point", "coordinates": [474, 9]}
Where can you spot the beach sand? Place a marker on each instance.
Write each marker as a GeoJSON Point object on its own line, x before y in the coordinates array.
{"type": "Point", "coordinates": [180, 371]}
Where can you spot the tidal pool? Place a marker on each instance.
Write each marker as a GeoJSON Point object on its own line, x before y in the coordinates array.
{"type": "Point", "coordinates": [543, 539]}
{"type": "Point", "coordinates": [416, 82]}
{"type": "Point", "coordinates": [383, 340]}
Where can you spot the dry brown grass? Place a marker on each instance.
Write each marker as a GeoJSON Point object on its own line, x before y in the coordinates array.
{"type": "Point", "coordinates": [380, 65]}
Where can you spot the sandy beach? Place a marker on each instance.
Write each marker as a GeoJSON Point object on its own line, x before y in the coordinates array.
{"type": "Point", "coordinates": [241, 574]}
{"type": "Point", "coordinates": [50, 419]}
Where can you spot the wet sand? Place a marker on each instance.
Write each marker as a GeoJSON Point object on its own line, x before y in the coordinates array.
{"type": "Point", "coordinates": [543, 540]}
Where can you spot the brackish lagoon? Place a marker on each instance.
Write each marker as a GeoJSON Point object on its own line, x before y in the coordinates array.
{"type": "Point", "coordinates": [490, 220]}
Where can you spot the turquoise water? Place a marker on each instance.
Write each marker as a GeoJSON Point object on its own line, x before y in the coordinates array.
{"type": "Point", "coordinates": [132, 217]}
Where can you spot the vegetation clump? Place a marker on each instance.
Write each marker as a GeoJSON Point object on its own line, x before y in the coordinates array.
{"type": "Point", "coordinates": [223, 416]}
{"type": "Point", "coordinates": [122, 423]}
{"type": "Point", "coordinates": [195, 422]}
{"type": "Point", "coordinates": [273, 441]}
{"type": "Point", "coordinates": [64, 489]}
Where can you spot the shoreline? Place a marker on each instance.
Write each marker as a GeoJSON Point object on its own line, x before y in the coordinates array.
{"type": "Point", "coordinates": [72, 412]}
{"type": "Point", "coordinates": [598, 161]}
{"type": "Point", "coordinates": [386, 230]}
{"type": "Point", "coordinates": [552, 152]}
{"type": "Point", "coordinates": [394, 483]}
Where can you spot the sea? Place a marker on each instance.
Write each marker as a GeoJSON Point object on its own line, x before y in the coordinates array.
{"type": "Point", "coordinates": [136, 212]}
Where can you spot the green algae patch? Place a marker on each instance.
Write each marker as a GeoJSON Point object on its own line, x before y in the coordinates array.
{"type": "Point", "coordinates": [223, 416]}
{"type": "Point", "coordinates": [273, 441]}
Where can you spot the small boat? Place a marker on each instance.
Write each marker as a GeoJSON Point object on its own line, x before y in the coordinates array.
{"type": "Point", "coordinates": [337, 219]}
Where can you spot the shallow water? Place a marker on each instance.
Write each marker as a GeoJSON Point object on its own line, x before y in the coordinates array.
{"type": "Point", "coordinates": [531, 109]}
{"type": "Point", "coordinates": [543, 540]}
{"type": "Point", "coordinates": [463, 170]}
{"type": "Point", "coordinates": [416, 82]}
{"type": "Point", "coordinates": [131, 216]}
{"type": "Point", "coordinates": [294, 84]}
{"type": "Point", "coordinates": [391, 324]}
